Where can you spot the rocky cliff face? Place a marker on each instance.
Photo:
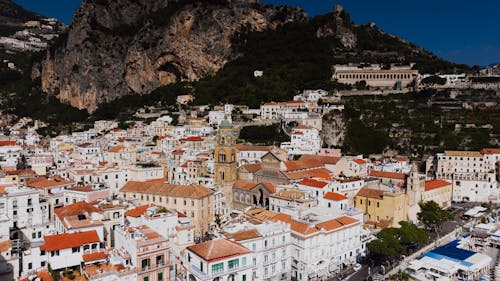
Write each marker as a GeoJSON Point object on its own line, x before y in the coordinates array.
{"type": "Point", "coordinates": [118, 47]}
{"type": "Point", "coordinates": [334, 129]}
{"type": "Point", "coordinates": [338, 25]}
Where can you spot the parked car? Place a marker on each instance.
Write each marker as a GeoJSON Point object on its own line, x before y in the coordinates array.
{"type": "Point", "coordinates": [356, 267]}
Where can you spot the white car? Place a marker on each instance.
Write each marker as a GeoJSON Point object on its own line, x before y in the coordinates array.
{"type": "Point", "coordinates": [356, 267]}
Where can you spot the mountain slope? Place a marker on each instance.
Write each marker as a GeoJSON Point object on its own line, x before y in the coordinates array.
{"type": "Point", "coordinates": [111, 50]}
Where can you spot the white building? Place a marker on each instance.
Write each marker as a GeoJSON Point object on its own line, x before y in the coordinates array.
{"type": "Point", "coordinates": [320, 245]}
{"type": "Point", "coordinates": [270, 243]}
{"type": "Point", "coordinates": [473, 174]}
{"type": "Point", "coordinates": [63, 250]}
{"type": "Point", "coordinates": [218, 259]}
{"type": "Point", "coordinates": [304, 140]}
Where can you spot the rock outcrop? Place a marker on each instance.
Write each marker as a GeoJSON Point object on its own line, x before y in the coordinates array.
{"type": "Point", "coordinates": [334, 129]}
{"type": "Point", "coordinates": [119, 47]}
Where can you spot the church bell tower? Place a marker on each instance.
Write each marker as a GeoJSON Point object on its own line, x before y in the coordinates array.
{"type": "Point", "coordinates": [225, 172]}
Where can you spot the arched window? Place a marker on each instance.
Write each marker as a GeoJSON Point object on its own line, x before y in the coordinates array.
{"type": "Point", "coordinates": [222, 155]}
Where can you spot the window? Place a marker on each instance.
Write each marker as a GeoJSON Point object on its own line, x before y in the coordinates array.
{"type": "Point", "coordinates": [244, 261]}
{"type": "Point", "coordinates": [75, 249]}
{"type": "Point", "coordinates": [33, 235]}
{"type": "Point", "coordinates": [146, 278]}
{"type": "Point", "coordinates": [30, 265]}
{"type": "Point", "coordinates": [217, 268]}
{"type": "Point", "coordinates": [244, 277]}
{"type": "Point", "coordinates": [233, 263]}
{"type": "Point", "coordinates": [144, 263]}
{"type": "Point", "coordinates": [160, 276]}
{"type": "Point", "coordinates": [159, 260]}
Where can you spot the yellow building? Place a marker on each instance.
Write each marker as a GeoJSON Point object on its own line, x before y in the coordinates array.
{"type": "Point", "coordinates": [194, 201]}
{"type": "Point", "coordinates": [382, 208]}
{"type": "Point", "coordinates": [438, 191]}
{"type": "Point", "coordinates": [226, 170]}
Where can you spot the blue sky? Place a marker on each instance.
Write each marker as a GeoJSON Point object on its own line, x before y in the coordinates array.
{"type": "Point", "coordinates": [457, 30]}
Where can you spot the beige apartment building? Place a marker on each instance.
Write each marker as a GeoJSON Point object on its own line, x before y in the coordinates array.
{"type": "Point", "coordinates": [194, 201]}
{"type": "Point", "coordinates": [375, 75]}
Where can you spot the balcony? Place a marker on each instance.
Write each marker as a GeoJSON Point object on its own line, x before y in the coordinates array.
{"type": "Point", "coordinates": [201, 275]}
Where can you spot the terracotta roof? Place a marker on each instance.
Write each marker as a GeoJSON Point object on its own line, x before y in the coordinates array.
{"type": "Point", "coordinates": [463, 153]}
{"type": "Point", "coordinates": [46, 183]}
{"type": "Point", "coordinates": [490, 151]}
{"type": "Point", "coordinates": [218, 249]}
{"type": "Point", "coordinates": [242, 147]}
{"type": "Point", "coordinates": [371, 193]}
{"type": "Point", "coordinates": [313, 183]}
{"type": "Point", "coordinates": [307, 229]}
{"type": "Point", "coordinates": [401, 159]}
{"type": "Point", "coordinates": [44, 275]}
{"type": "Point", "coordinates": [261, 215]}
{"type": "Point", "coordinates": [269, 186]}
{"type": "Point", "coordinates": [84, 145]}
{"type": "Point", "coordinates": [69, 240]}
{"type": "Point", "coordinates": [76, 209]}
{"type": "Point", "coordinates": [244, 235]}
{"type": "Point", "coordinates": [303, 127]}
{"type": "Point", "coordinates": [174, 190]}
{"type": "Point", "coordinates": [8, 143]}
{"type": "Point", "coordinates": [94, 256]}
{"type": "Point", "coordinates": [245, 185]}
{"type": "Point", "coordinates": [194, 138]}
{"type": "Point", "coordinates": [116, 148]}
{"type": "Point", "coordinates": [308, 174]}
{"type": "Point", "coordinates": [334, 196]}
{"type": "Point", "coordinates": [391, 175]}
{"type": "Point", "coordinates": [251, 168]}
{"type": "Point", "coordinates": [295, 225]}
{"type": "Point", "coordinates": [297, 165]}
{"type": "Point", "coordinates": [82, 188]}
{"type": "Point", "coordinates": [323, 159]}
{"type": "Point", "coordinates": [5, 246]}
{"type": "Point", "coordinates": [290, 194]}
{"type": "Point", "coordinates": [433, 184]}
{"type": "Point", "coordinates": [137, 211]}
{"type": "Point", "coordinates": [21, 172]}
{"type": "Point", "coordinates": [359, 161]}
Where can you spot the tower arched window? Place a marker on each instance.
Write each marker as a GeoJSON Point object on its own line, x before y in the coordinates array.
{"type": "Point", "coordinates": [222, 155]}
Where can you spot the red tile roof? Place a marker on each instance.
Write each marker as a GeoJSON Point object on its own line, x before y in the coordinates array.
{"type": "Point", "coordinates": [359, 161]}
{"type": "Point", "coordinates": [44, 275]}
{"type": "Point", "coordinates": [401, 159]}
{"type": "Point", "coordinates": [313, 183]}
{"type": "Point", "coordinates": [433, 184]}
{"type": "Point", "coordinates": [251, 168]}
{"type": "Point", "coordinates": [161, 188]}
{"type": "Point", "coordinates": [116, 148]}
{"type": "Point", "coordinates": [371, 193]}
{"type": "Point", "coordinates": [391, 175]}
{"type": "Point", "coordinates": [193, 138]}
{"type": "Point", "coordinates": [46, 183]}
{"type": "Point", "coordinates": [302, 164]}
{"type": "Point", "coordinates": [76, 209]}
{"type": "Point", "coordinates": [8, 143]}
{"type": "Point", "coordinates": [244, 235]}
{"type": "Point", "coordinates": [334, 196]}
{"type": "Point", "coordinates": [137, 211]}
{"type": "Point", "coordinates": [218, 249]}
{"type": "Point", "coordinates": [69, 240]}
{"type": "Point", "coordinates": [490, 151]}
{"type": "Point", "coordinates": [97, 256]}
{"type": "Point", "coordinates": [323, 159]}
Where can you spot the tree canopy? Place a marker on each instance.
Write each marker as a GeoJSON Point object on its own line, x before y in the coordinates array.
{"type": "Point", "coordinates": [393, 242]}
{"type": "Point", "coordinates": [431, 215]}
